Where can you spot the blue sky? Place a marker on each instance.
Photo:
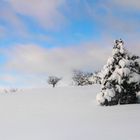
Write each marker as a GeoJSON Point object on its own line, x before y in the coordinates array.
{"type": "Point", "coordinates": [42, 37]}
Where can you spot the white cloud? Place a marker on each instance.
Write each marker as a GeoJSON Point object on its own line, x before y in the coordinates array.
{"type": "Point", "coordinates": [135, 4]}
{"type": "Point", "coordinates": [2, 32]}
{"type": "Point", "coordinates": [45, 12]}
{"type": "Point", "coordinates": [36, 62]}
{"type": "Point", "coordinates": [35, 59]}
{"type": "Point", "coordinates": [33, 63]}
{"type": "Point", "coordinates": [8, 78]}
{"type": "Point", "coordinates": [9, 17]}
{"type": "Point", "coordinates": [26, 58]}
{"type": "Point", "coordinates": [112, 17]}
{"type": "Point", "coordinates": [55, 14]}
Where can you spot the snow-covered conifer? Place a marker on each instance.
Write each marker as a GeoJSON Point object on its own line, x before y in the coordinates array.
{"type": "Point", "coordinates": [120, 77]}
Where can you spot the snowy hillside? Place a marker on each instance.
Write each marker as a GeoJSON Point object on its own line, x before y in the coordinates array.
{"type": "Point", "coordinates": [65, 113]}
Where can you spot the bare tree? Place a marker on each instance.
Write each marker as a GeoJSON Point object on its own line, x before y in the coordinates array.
{"type": "Point", "coordinates": [81, 78]}
{"type": "Point", "coordinates": [53, 80]}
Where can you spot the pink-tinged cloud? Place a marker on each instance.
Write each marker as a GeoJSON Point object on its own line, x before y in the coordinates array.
{"type": "Point", "coordinates": [35, 60]}
{"type": "Point", "coordinates": [47, 13]}
{"type": "Point", "coordinates": [12, 20]}
{"type": "Point", "coordinates": [133, 4]}
{"type": "Point", "coordinates": [33, 63]}
{"type": "Point", "coordinates": [2, 32]}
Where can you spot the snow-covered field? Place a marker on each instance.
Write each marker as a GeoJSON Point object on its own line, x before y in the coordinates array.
{"type": "Point", "coordinates": [65, 113]}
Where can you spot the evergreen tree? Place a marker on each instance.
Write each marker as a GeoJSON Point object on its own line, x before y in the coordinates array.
{"type": "Point", "coordinates": [120, 77]}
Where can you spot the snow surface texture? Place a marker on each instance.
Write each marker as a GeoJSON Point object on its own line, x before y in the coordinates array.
{"type": "Point", "coordinates": [65, 113]}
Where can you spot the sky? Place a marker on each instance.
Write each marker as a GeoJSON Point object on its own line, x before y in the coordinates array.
{"type": "Point", "coordinates": [39, 38]}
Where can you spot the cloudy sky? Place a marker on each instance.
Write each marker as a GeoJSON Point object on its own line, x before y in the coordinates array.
{"type": "Point", "coordinates": [53, 37]}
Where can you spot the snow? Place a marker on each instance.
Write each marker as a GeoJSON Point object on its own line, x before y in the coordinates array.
{"type": "Point", "coordinates": [134, 78]}
{"type": "Point", "coordinates": [110, 61]}
{"type": "Point", "coordinates": [138, 61]}
{"type": "Point", "coordinates": [126, 71]}
{"type": "Point", "coordinates": [119, 73]}
{"type": "Point", "coordinates": [115, 51]}
{"type": "Point", "coordinates": [119, 47]}
{"type": "Point", "coordinates": [116, 75]}
{"type": "Point", "coordinates": [124, 63]}
{"type": "Point", "coordinates": [118, 88]}
{"type": "Point", "coordinates": [122, 50]}
{"type": "Point", "coordinates": [105, 94]}
{"type": "Point", "coordinates": [65, 113]}
{"type": "Point", "coordinates": [109, 92]}
{"type": "Point", "coordinates": [99, 98]}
